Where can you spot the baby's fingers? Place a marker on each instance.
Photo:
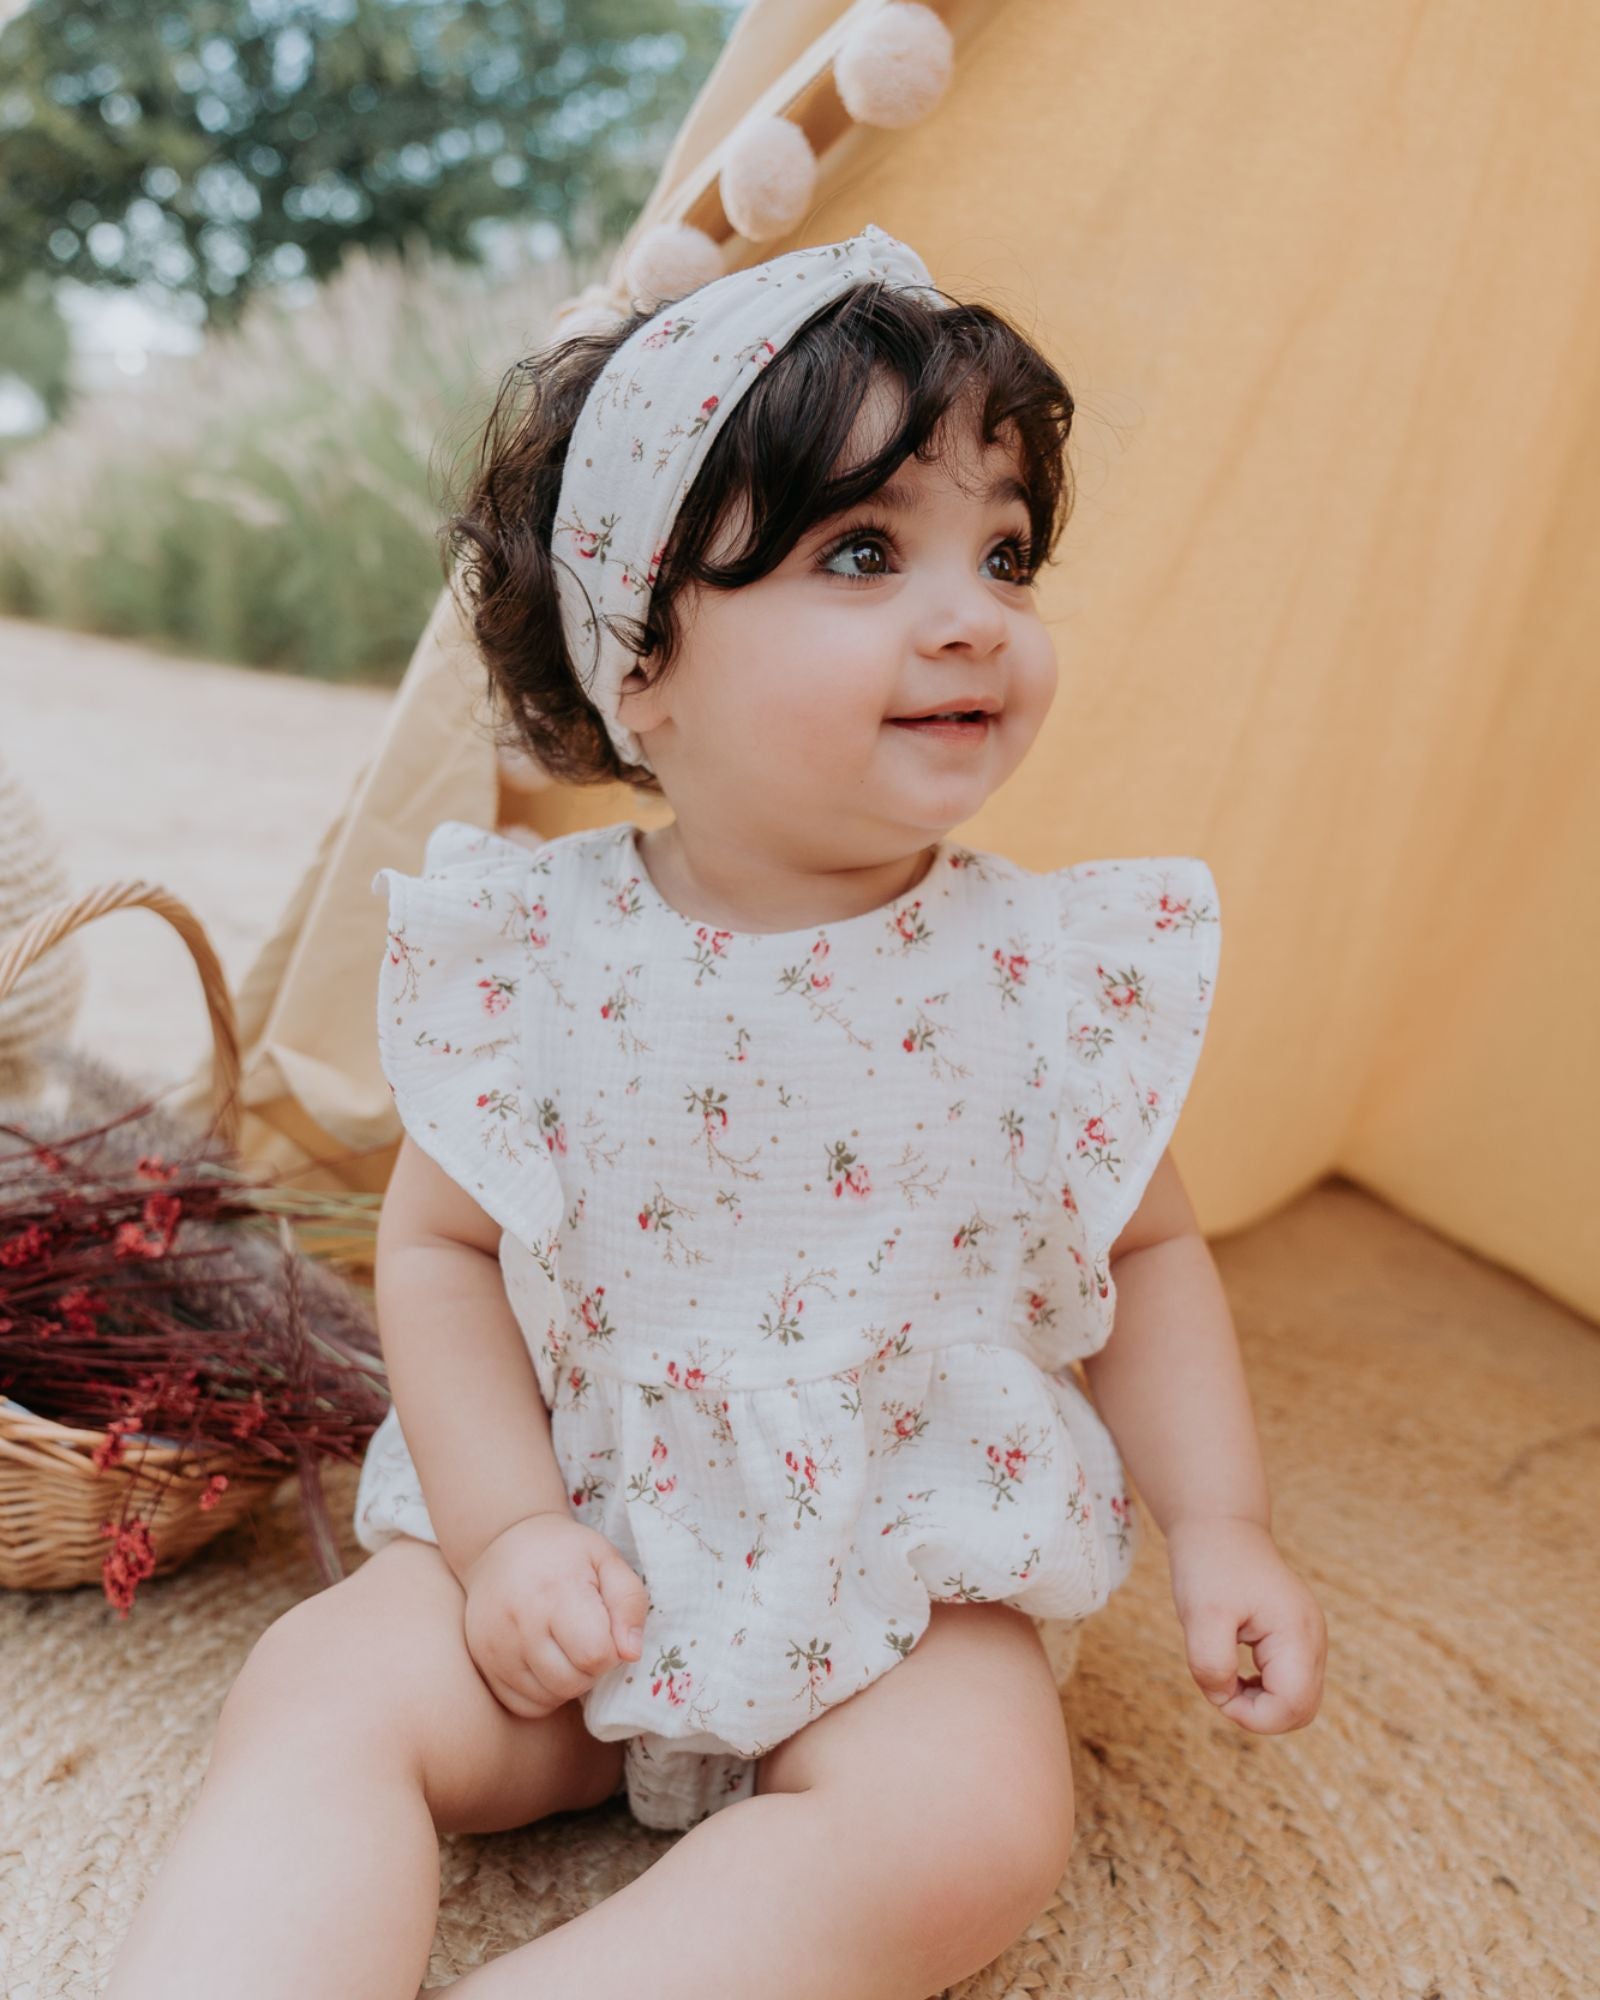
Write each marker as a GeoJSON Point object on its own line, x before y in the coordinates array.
{"type": "Point", "coordinates": [627, 1601]}
{"type": "Point", "coordinates": [1212, 1639]}
{"type": "Point", "coordinates": [529, 1707]}
{"type": "Point", "coordinates": [581, 1626]}
{"type": "Point", "coordinates": [502, 1660]}
{"type": "Point", "coordinates": [1287, 1691]}
{"type": "Point", "coordinates": [500, 1652]}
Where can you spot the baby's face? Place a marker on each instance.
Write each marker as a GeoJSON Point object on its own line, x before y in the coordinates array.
{"type": "Point", "coordinates": [780, 712]}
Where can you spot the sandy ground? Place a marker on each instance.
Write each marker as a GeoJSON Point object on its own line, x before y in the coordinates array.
{"type": "Point", "coordinates": [216, 781]}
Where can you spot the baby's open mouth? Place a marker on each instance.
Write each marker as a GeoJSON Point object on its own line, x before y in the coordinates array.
{"type": "Point", "coordinates": [971, 723]}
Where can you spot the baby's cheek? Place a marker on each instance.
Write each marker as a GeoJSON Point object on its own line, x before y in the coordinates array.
{"type": "Point", "coordinates": [826, 732]}
{"type": "Point", "coordinates": [1035, 676]}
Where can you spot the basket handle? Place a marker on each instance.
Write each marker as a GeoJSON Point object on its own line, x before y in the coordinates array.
{"type": "Point", "coordinates": [49, 925]}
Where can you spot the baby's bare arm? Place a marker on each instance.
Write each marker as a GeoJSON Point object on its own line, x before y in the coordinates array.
{"type": "Point", "coordinates": [1171, 1385]}
{"type": "Point", "coordinates": [460, 1372]}
{"type": "Point", "coordinates": [1170, 1382]}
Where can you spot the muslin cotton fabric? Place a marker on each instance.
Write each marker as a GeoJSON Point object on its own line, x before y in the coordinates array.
{"type": "Point", "coordinates": [805, 1230]}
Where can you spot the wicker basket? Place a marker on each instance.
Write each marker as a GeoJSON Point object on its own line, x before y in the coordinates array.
{"type": "Point", "coordinates": [52, 1498]}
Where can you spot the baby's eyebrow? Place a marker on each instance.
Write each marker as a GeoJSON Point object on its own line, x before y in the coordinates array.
{"type": "Point", "coordinates": [907, 500]}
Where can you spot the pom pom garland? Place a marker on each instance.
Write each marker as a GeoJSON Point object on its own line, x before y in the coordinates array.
{"type": "Point", "coordinates": [592, 310]}
{"type": "Point", "coordinates": [890, 70]}
{"type": "Point", "coordinates": [769, 178]}
{"type": "Point", "coordinates": [894, 65]}
{"type": "Point", "coordinates": [670, 259]}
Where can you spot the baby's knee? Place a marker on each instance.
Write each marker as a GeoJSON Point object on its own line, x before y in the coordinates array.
{"type": "Point", "coordinates": [302, 1691]}
{"type": "Point", "coordinates": [981, 1890]}
{"type": "Point", "coordinates": [1012, 1803]}
{"type": "Point", "coordinates": [961, 1868]}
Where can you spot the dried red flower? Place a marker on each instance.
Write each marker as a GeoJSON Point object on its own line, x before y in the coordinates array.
{"type": "Point", "coordinates": [130, 1559]}
{"type": "Point", "coordinates": [237, 1344]}
{"type": "Point", "coordinates": [26, 1248]}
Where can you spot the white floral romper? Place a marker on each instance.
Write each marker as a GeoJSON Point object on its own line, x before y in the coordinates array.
{"type": "Point", "coordinates": [805, 1230]}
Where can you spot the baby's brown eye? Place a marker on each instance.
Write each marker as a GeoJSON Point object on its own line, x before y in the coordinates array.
{"type": "Point", "coordinates": [854, 545]}
{"type": "Point", "coordinates": [1021, 570]}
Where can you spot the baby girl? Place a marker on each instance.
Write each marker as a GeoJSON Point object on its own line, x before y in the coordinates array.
{"type": "Point", "coordinates": [770, 1185]}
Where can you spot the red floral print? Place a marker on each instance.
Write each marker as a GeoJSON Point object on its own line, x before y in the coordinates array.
{"type": "Point", "coordinates": [805, 1231]}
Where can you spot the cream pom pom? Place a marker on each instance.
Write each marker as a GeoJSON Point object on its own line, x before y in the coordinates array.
{"type": "Point", "coordinates": [593, 310]}
{"type": "Point", "coordinates": [769, 177]}
{"type": "Point", "coordinates": [895, 65]}
{"type": "Point", "coordinates": [670, 259]}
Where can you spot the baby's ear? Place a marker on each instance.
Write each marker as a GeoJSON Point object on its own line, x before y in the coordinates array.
{"type": "Point", "coordinates": [633, 707]}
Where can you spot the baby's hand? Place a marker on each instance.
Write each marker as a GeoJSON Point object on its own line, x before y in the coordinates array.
{"type": "Point", "coordinates": [1230, 1583]}
{"type": "Point", "coordinates": [551, 1606]}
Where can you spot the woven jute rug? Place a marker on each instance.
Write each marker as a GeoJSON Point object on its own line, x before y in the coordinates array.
{"type": "Point", "coordinates": [1432, 1433]}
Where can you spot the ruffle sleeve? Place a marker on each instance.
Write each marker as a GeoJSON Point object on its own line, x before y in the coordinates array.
{"type": "Point", "coordinates": [452, 990]}
{"type": "Point", "coordinates": [1139, 946]}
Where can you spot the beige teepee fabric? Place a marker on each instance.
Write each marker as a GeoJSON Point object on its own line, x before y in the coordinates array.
{"type": "Point", "coordinates": [1433, 1832]}
{"type": "Point", "coordinates": [1324, 285]}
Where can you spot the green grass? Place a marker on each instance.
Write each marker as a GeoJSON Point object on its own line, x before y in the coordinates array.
{"type": "Point", "coordinates": [275, 498]}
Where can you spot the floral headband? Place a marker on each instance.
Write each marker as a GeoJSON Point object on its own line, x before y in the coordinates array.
{"type": "Point", "coordinates": [648, 422]}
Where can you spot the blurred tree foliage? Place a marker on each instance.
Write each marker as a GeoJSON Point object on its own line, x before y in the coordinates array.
{"type": "Point", "coordinates": [34, 342]}
{"type": "Point", "coordinates": [213, 146]}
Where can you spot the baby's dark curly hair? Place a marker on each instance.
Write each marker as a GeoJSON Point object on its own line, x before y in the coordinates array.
{"type": "Point", "coordinates": [776, 456]}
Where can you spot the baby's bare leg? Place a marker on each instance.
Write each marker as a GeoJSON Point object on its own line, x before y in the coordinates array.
{"type": "Point", "coordinates": [896, 1844]}
{"type": "Point", "coordinates": [357, 1731]}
